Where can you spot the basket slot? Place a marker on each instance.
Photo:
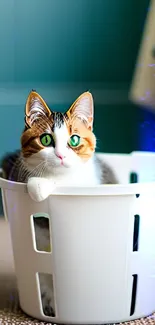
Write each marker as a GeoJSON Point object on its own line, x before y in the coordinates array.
{"type": "Point", "coordinates": [133, 177]}
{"type": "Point", "coordinates": [134, 293]}
{"type": "Point", "coordinates": [136, 233]}
{"type": "Point", "coordinates": [41, 225]}
{"type": "Point", "coordinates": [47, 294]}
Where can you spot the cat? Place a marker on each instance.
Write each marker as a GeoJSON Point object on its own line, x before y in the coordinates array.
{"type": "Point", "coordinates": [59, 147]}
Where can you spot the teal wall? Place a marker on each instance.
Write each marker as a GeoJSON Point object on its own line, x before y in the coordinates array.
{"type": "Point", "coordinates": [71, 46]}
{"type": "Point", "coordinates": [68, 40]}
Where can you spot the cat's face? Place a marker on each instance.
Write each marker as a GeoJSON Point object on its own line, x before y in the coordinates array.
{"type": "Point", "coordinates": [56, 140]}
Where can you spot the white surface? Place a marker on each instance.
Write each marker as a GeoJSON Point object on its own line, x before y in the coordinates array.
{"type": "Point", "coordinates": [92, 240]}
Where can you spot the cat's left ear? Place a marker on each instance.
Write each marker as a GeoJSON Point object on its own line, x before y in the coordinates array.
{"type": "Point", "coordinates": [83, 108]}
{"type": "Point", "coordinates": [35, 108]}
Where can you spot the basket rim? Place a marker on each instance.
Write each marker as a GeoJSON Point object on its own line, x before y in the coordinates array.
{"type": "Point", "coordinates": [99, 190]}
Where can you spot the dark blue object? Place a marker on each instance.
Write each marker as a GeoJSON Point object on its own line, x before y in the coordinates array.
{"type": "Point", "coordinates": [146, 131]}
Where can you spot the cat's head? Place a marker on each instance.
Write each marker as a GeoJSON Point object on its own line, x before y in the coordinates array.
{"type": "Point", "coordinates": [58, 140]}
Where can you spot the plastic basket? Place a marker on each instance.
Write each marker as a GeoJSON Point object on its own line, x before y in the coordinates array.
{"type": "Point", "coordinates": [103, 246]}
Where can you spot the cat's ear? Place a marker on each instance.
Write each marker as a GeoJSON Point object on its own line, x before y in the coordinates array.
{"type": "Point", "coordinates": [35, 108]}
{"type": "Point", "coordinates": [83, 108]}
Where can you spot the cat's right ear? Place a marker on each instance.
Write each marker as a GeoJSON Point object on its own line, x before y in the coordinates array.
{"type": "Point", "coordinates": [35, 108]}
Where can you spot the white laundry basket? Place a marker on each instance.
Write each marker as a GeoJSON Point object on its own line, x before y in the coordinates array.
{"type": "Point", "coordinates": [103, 247]}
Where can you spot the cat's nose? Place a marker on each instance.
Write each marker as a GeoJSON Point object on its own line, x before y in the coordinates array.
{"type": "Point", "coordinates": [59, 155]}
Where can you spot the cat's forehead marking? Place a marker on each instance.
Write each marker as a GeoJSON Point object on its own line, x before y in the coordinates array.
{"type": "Point", "coordinates": [58, 120]}
{"type": "Point", "coordinates": [61, 138]}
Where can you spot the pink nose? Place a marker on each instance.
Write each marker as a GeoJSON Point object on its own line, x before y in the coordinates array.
{"type": "Point", "coordinates": [59, 155]}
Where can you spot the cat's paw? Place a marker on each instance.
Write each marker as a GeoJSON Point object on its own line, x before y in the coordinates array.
{"type": "Point", "coordinates": [48, 310]}
{"type": "Point", "coordinates": [47, 294]}
{"type": "Point", "coordinates": [39, 188]}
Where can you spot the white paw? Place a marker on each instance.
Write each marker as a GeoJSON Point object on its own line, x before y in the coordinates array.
{"type": "Point", "coordinates": [39, 188]}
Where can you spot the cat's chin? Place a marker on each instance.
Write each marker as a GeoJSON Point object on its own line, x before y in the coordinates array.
{"type": "Point", "coordinates": [65, 164]}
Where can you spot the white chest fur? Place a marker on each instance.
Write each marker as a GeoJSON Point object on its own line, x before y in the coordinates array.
{"type": "Point", "coordinates": [85, 174]}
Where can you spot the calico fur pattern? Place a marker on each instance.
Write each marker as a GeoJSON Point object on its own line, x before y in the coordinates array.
{"type": "Point", "coordinates": [60, 160]}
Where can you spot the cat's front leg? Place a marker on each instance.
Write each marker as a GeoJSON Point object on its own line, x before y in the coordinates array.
{"type": "Point", "coordinates": [39, 188]}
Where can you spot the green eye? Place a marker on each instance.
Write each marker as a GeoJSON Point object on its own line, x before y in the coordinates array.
{"type": "Point", "coordinates": [74, 140]}
{"type": "Point", "coordinates": [47, 140]}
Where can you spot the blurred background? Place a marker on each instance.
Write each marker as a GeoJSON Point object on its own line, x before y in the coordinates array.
{"type": "Point", "coordinates": [62, 48]}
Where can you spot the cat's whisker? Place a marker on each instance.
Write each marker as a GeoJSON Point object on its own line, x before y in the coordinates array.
{"type": "Point", "coordinates": [36, 167]}
{"type": "Point", "coordinates": [25, 173]}
{"type": "Point", "coordinates": [36, 172]}
{"type": "Point", "coordinates": [41, 171]}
